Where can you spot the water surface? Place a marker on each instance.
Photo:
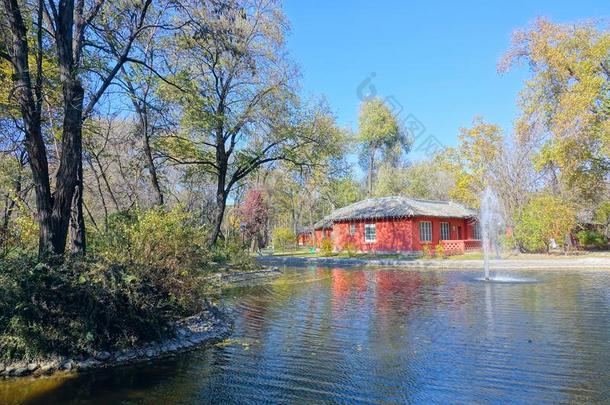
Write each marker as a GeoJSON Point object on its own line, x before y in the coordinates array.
{"type": "Point", "coordinates": [380, 336]}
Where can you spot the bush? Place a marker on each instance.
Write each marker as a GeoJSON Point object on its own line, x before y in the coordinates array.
{"type": "Point", "coordinates": [326, 247]}
{"type": "Point", "coordinates": [592, 239]}
{"type": "Point", "coordinates": [350, 248]}
{"type": "Point", "coordinates": [283, 239]}
{"type": "Point", "coordinates": [439, 251]}
{"type": "Point", "coordinates": [544, 218]}
{"type": "Point", "coordinates": [21, 236]}
{"type": "Point", "coordinates": [426, 251]}
{"type": "Point", "coordinates": [80, 307]}
{"type": "Point", "coordinates": [170, 239]}
{"type": "Point", "coordinates": [232, 252]}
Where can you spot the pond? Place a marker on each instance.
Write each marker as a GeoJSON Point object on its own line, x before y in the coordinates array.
{"type": "Point", "coordinates": [380, 336]}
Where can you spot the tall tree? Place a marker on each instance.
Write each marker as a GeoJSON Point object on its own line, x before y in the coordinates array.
{"type": "Point", "coordinates": [379, 132]}
{"type": "Point", "coordinates": [239, 110]}
{"type": "Point", "coordinates": [566, 102]}
{"type": "Point", "coordinates": [109, 30]}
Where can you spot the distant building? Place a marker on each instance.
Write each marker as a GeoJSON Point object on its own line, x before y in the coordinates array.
{"type": "Point", "coordinates": [305, 236]}
{"type": "Point", "coordinates": [400, 224]}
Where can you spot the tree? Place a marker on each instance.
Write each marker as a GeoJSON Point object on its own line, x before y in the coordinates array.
{"type": "Point", "coordinates": [68, 25]}
{"type": "Point", "coordinates": [253, 215]}
{"type": "Point", "coordinates": [379, 132]}
{"type": "Point", "coordinates": [566, 102]}
{"type": "Point", "coordinates": [545, 217]}
{"type": "Point", "coordinates": [239, 110]}
{"type": "Point", "coordinates": [478, 147]}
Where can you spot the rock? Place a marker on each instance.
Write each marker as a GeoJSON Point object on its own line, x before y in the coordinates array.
{"type": "Point", "coordinates": [32, 366]}
{"type": "Point", "coordinates": [67, 365]}
{"type": "Point", "coordinates": [2, 367]}
{"type": "Point", "coordinates": [150, 353]}
{"type": "Point", "coordinates": [102, 356]}
{"type": "Point", "coordinates": [87, 364]}
{"type": "Point", "coordinates": [20, 372]}
{"type": "Point", "coordinates": [46, 369]}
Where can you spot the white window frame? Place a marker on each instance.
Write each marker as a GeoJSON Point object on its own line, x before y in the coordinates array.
{"type": "Point", "coordinates": [352, 229]}
{"type": "Point", "coordinates": [367, 239]}
{"type": "Point", "coordinates": [446, 232]}
{"type": "Point", "coordinates": [425, 231]}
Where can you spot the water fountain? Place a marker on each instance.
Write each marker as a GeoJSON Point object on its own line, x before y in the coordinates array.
{"type": "Point", "coordinates": [491, 221]}
{"type": "Point", "coordinates": [493, 226]}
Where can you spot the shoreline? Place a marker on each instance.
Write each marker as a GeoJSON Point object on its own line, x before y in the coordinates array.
{"type": "Point", "coordinates": [502, 264]}
{"type": "Point", "coordinates": [208, 327]}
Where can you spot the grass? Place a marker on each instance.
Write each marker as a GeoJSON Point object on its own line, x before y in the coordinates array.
{"type": "Point", "coordinates": [306, 253]}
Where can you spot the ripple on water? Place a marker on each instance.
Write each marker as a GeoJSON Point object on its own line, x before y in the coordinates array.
{"type": "Point", "coordinates": [383, 336]}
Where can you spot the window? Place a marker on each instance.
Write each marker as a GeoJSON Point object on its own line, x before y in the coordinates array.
{"type": "Point", "coordinates": [476, 231]}
{"type": "Point", "coordinates": [445, 235]}
{"type": "Point", "coordinates": [425, 231]}
{"type": "Point", "coordinates": [352, 229]}
{"type": "Point", "coordinates": [370, 233]}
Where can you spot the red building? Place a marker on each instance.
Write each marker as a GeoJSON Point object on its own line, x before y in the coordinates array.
{"type": "Point", "coordinates": [323, 229]}
{"type": "Point", "coordinates": [305, 237]}
{"type": "Point", "coordinates": [400, 224]}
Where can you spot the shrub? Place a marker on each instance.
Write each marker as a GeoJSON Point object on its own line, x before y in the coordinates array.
{"type": "Point", "coordinates": [81, 307]}
{"type": "Point", "coordinates": [170, 239]}
{"type": "Point", "coordinates": [21, 236]}
{"type": "Point", "coordinates": [426, 251]}
{"type": "Point", "coordinates": [350, 248]}
{"type": "Point", "coordinates": [283, 239]}
{"type": "Point", "coordinates": [326, 247]}
{"type": "Point", "coordinates": [592, 239]}
{"type": "Point", "coordinates": [232, 252]}
{"type": "Point", "coordinates": [439, 251]}
{"type": "Point", "coordinates": [544, 218]}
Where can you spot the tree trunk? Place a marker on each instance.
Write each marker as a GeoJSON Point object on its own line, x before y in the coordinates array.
{"type": "Point", "coordinates": [221, 201]}
{"type": "Point", "coordinates": [150, 162]}
{"type": "Point", "coordinates": [11, 202]}
{"type": "Point", "coordinates": [371, 166]}
{"type": "Point", "coordinates": [77, 221]}
{"type": "Point", "coordinates": [67, 178]}
{"type": "Point", "coordinates": [30, 113]}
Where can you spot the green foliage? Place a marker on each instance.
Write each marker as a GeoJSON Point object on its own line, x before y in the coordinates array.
{"type": "Point", "coordinates": [21, 236]}
{"type": "Point", "coordinates": [157, 237]}
{"type": "Point", "coordinates": [592, 239]}
{"type": "Point", "coordinates": [439, 251]}
{"type": "Point", "coordinates": [378, 126]}
{"type": "Point", "coordinates": [326, 247]}
{"type": "Point", "coordinates": [231, 252]}
{"type": "Point", "coordinates": [283, 239]}
{"type": "Point", "coordinates": [544, 218]}
{"type": "Point", "coordinates": [80, 307]}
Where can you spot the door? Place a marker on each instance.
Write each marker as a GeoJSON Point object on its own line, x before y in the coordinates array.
{"type": "Point", "coordinates": [459, 233]}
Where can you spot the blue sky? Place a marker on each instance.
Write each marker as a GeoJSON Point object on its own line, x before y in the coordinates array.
{"type": "Point", "coordinates": [435, 60]}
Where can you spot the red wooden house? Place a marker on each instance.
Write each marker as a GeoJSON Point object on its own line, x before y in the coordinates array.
{"type": "Point", "coordinates": [323, 229]}
{"type": "Point", "coordinates": [400, 224]}
{"type": "Point", "coordinates": [305, 237]}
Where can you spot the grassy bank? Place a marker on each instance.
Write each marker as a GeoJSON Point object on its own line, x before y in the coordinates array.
{"type": "Point", "coordinates": [142, 273]}
{"type": "Point", "coordinates": [306, 253]}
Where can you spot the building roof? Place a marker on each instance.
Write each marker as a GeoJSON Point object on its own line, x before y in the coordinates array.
{"type": "Point", "coordinates": [324, 223]}
{"type": "Point", "coordinates": [400, 207]}
{"type": "Point", "coordinates": [304, 230]}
